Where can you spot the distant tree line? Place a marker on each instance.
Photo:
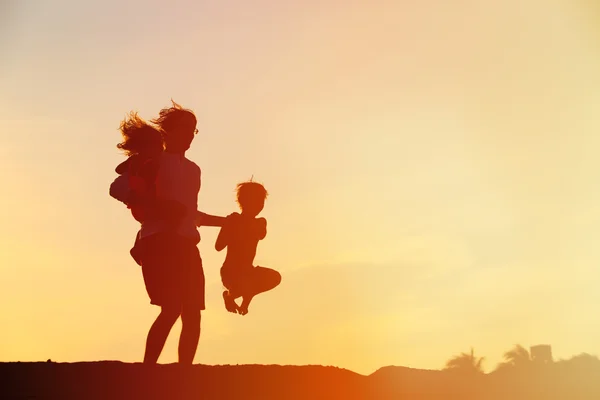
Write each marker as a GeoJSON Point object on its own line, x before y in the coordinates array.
{"type": "Point", "coordinates": [516, 359]}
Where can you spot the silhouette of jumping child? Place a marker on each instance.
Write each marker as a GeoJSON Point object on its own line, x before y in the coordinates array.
{"type": "Point", "coordinates": [240, 234]}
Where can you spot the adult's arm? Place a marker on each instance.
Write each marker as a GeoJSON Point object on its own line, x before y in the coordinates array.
{"type": "Point", "coordinates": [204, 219]}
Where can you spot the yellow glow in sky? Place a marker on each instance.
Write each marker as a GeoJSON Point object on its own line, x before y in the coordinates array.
{"type": "Point", "coordinates": [432, 170]}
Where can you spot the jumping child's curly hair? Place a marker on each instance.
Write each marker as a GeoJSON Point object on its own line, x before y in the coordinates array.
{"type": "Point", "coordinates": [249, 192]}
{"type": "Point", "coordinates": [138, 135]}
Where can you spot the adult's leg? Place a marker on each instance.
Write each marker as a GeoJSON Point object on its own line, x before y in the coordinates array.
{"type": "Point", "coordinates": [193, 302]}
{"type": "Point", "coordinates": [157, 336]}
{"type": "Point", "coordinates": [190, 335]}
{"type": "Point", "coordinates": [159, 277]}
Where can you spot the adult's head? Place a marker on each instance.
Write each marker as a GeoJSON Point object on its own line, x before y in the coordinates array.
{"type": "Point", "coordinates": [179, 127]}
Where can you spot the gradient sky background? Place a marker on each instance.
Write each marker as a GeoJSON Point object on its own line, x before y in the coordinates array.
{"type": "Point", "coordinates": [432, 169]}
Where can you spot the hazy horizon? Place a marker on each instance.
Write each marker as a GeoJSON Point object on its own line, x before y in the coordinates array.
{"type": "Point", "coordinates": [432, 173]}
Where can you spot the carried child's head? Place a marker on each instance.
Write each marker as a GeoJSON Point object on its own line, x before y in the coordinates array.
{"type": "Point", "coordinates": [251, 197]}
{"type": "Point", "coordinates": [139, 137]}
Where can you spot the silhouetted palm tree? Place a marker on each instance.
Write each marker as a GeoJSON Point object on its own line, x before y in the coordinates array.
{"type": "Point", "coordinates": [518, 357]}
{"type": "Point", "coordinates": [466, 362]}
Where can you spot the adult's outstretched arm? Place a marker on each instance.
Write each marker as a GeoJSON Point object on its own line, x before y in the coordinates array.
{"type": "Point", "coordinates": [204, 219]}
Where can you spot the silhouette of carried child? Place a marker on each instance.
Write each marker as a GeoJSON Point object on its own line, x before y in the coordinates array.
{"type": "Point", "coordinates": [136, 185]}
{"type": "Point", "coordinates": [142, 143]}
{"type": "Point", "coordinates": [240, 234]}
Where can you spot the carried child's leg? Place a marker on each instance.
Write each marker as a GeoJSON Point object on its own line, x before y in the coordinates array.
{"type": "Point", "coordinates": [261, 280]}
{"type": "Point", "coordinates": [136, 251]}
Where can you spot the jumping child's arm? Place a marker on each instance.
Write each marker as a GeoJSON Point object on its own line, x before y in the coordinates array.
{"type": "Point", "coordinates": [262, 228]}
{"type": "Point", "coordinates": [222, 239]}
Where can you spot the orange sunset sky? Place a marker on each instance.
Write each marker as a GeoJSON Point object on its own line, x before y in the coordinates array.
{"type": "Point", "coordinates": [432, 166]}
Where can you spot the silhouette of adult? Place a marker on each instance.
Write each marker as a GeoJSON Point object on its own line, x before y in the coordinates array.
{"type": "Point", "coordinates": [171, 262]}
